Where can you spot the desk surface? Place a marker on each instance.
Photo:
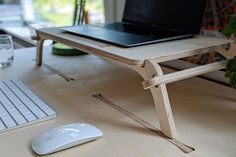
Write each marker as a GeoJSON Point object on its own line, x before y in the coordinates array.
{"type": "Point", "coordinates": [204, 111]}
{"type": "Point", "coordinates": [161, 52]}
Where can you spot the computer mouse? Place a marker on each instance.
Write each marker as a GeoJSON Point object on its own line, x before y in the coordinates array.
{"type": "Point", "coordinates": [64, 137]}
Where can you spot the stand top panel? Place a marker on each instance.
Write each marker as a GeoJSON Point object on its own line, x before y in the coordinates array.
{"type": "Point", "coordinates": [161, 52]}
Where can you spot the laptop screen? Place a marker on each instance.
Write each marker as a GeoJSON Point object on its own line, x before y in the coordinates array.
{"type": "Point", "coordinates": [175, 14]}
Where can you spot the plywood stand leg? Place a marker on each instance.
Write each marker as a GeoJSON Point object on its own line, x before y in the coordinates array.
{"type": "Point", "coordinates": [39, 53]}
{"type": "Point", "coordinates": [161, 98]}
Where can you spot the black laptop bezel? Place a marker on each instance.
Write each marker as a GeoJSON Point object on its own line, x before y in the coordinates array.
{"type": "Point", "coordinates": [169, 27]}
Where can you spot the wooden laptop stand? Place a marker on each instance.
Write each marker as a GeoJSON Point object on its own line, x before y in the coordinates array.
{"type": "Point", "coordinates": [145, 60]}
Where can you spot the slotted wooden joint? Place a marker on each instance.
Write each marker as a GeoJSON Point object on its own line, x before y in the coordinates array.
{"type": "Point", "coordinates": [150, 83]}
{"type": "Point", "coordinates": [183, 74]}
{"type": "Point", "coordinates": [155, 75]}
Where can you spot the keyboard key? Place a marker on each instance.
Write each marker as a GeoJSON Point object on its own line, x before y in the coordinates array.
{"type": "Point", "coordinates": [9, 122]}
{"type": "Point", "coordinates": [43, 106]}
{"type": "Point", "coordinates": [2, 111]}
{"type": "Point", "coordinates": [38, 101]}
{"type": "Point", "coordinates": [2, 126]}
{"type": "Point", "coordinates": [6, 118]}
{"type": "Point", "coordinates": [19, 106]}
{"type": "Point", "coordinates": [30, 117]}
{"type": "Point", "coordinates": [11, 108]}
{"type": "Point", "coordinates": [26, 100]}
{"type": "Point", "coordinates": [23, 109]}
{"type": "Point", "coordinates": [18, 118]}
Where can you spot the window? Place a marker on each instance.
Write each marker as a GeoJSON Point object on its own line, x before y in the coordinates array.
{"type": "Point", "coordinates": [60, 12]}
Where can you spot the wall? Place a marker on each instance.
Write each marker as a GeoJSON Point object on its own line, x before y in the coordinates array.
{"type": "Point", "coordinates": [114, 10]}
{"type": "Point", "coordinates": [119, 9]}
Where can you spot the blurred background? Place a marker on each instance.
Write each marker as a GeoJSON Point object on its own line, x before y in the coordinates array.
{"type": "Point", "coordinates": [56, 12]}
{"type": "Point", "coordinates": [17, 17]}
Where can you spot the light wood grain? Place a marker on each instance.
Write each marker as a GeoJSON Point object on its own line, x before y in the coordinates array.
{"type": "Point", "coordinates": [204, 111]}
{"type": "Point", "coordinates": [39, 51]}
{"type": "Point", "coordinates": [148, 56]}
{"type": "Point", "coordinates": [184, 74]}
{"type": "Point", "coordinates": [161, 52]}
{"type": "Point", "coordinates": [160, 97]}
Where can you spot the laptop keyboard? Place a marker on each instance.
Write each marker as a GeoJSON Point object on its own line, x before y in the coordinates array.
{"type": "Point", "coordinates": [19, 106]}
{"type": "Point", "coordinates": [139, 30]}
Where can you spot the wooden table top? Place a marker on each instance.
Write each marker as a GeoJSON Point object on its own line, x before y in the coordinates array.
{"type": "Point", "coordinates": [204, 111]}
{"type": "Point", "coordinates": [161, 52]}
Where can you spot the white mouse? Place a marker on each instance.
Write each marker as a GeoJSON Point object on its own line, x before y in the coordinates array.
{"type": "Point", "coordinates": [63, 137]}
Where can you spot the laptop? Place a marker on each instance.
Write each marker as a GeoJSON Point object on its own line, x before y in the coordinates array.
{"type": "Point", "coordinates": [148, 21]}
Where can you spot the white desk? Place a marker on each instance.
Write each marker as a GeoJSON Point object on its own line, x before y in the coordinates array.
{"type": "Point", "coordinates": [145, 60]}
{"type": "Point", "coordinates": [204, 111]}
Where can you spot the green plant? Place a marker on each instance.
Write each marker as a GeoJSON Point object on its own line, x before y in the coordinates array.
{"type": "Point", "coordinates": [231, 72]}
{"type": "Point", "coordinates": [230, 28]}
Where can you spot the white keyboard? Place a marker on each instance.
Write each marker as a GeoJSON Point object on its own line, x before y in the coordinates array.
{"type": "Point", "coordinates": [19, 106]}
